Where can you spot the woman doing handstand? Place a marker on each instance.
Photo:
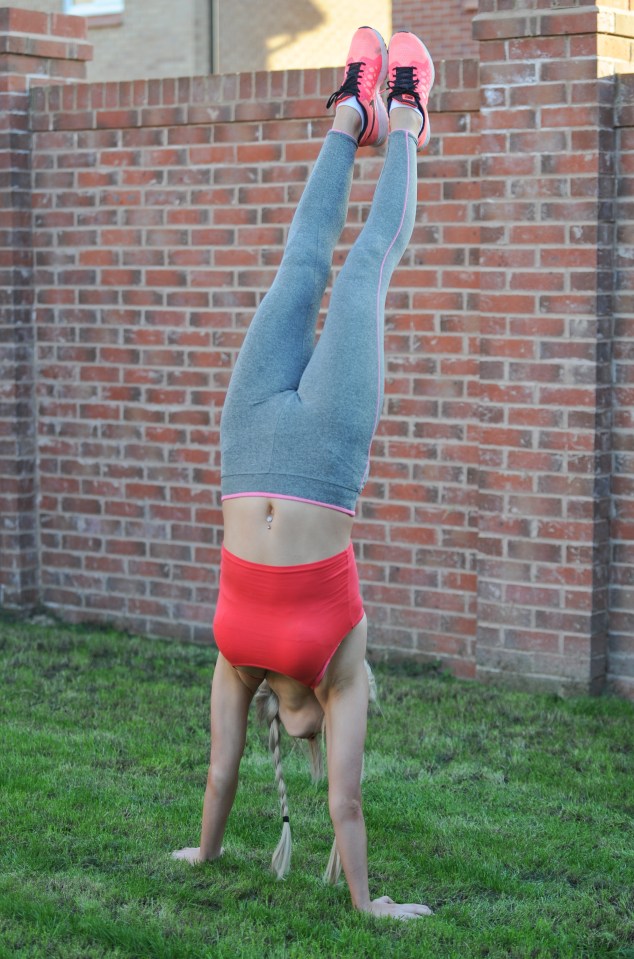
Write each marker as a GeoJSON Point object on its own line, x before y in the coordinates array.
{"type": "Point", "coordinates": [296, 431]}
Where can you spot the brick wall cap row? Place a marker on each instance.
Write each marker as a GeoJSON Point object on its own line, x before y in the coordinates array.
{"type": "Point", "coordinates": [515, 24]}
{"type": "Point", "coordinates": [214, 98]}
{"type": "Point", "coordinates": [53, 25]}
{"type": "Point", "coordinates": [494, 6]}
{"type": "Point", "coordinates": [50, 49]}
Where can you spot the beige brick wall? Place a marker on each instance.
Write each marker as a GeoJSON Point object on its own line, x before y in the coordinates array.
{"type": "Point", "coordinates": [155, 38]}
{"type": "Point", "coordinates": [256, 35]}
{"type": "Point", "coordinates": [159, 38]}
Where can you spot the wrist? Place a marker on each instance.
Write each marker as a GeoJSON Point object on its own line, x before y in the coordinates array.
{"type": "Point", "coordinates": [208, 855]}
{"type": "Point", "coordinates": [362, 903]}
{"type": "Point", "coordinates": [363, 907]}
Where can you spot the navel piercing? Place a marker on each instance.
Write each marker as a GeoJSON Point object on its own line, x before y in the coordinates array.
{"type": "Point", "coordinates": [269, 520]}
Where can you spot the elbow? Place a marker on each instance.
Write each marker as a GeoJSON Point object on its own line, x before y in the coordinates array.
{"type": "Point", "coordinates": [345, 809]}
{"type": "Point", "coordinates": [220, 780]}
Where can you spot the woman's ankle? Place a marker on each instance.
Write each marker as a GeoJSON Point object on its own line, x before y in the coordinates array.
{"type": "Point", "coordinates": [347, 120]}
{"type": "Point", "coordinates": [404, 118]}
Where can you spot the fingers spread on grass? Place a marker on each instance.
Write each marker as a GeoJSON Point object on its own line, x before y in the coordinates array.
{"type": "Point", "coordinates": [190, 855]}
{"type": "Point", "coordinates": [384, 906]}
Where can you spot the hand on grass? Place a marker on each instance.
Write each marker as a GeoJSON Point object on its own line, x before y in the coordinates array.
{"type": "Point", "coordinates": [408, 910]}
{"type": "Point", "coordinates": [192, 856]}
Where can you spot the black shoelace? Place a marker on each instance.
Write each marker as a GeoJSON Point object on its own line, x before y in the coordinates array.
{"type": "Point", "coordinates": [349, 87]}
{"type": "Point", "coordinates": [404, 84]}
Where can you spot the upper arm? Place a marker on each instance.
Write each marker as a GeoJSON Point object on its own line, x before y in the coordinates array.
{"type": "Point", "coordinates": [346, 723]}
{"type": "Point", "coordinates": [230, 701]}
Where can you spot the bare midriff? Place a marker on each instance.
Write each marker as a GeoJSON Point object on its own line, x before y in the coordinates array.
{"type": "Point", "coordinates": [283, 532]}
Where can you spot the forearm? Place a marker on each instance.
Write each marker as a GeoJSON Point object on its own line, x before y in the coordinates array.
{"type": "Point", "coordinates": [351, 839]}
{"type": "Point", "coordinates": [219, 796]}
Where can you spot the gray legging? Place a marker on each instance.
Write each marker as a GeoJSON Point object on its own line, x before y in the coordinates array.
{"type": "Point", "coordinates": [299, 419]}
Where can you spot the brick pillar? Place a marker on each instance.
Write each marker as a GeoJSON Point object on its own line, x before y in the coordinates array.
{"type": "Point", "coordinates": [34, 48]}
{"type": "Point", "coordinates": [547, 81]}
{"type": "Point", "coordinates": [621, 653]}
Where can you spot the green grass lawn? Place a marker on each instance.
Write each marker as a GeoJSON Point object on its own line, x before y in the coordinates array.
{"type": "Point", "coordinates": [509, 814]}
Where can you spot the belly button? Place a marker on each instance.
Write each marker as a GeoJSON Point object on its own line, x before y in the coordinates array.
{"type": "Point", "coordinates": [269, 517]}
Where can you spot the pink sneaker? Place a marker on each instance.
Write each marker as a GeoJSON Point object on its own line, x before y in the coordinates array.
{"type": "Point", "coordinates": [411, 77]}
{"type": "Point", "coordinates": [366, 69]}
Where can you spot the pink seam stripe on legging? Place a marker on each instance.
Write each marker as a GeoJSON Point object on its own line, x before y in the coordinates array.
{"type": "Point", "coordinates": [377, 413]}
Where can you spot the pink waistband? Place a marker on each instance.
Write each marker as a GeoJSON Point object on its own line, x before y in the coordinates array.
{"type": "Point", "coordinates": [321, 565]}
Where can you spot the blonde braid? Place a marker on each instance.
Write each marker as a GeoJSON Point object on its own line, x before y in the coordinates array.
{"type": "Point", "coordinates": [267, 705]}
{"type": "Point", "coordinates": [316, 757]}
{"type": "Point", "coordinates": [333, 869]}
{"type": "Point", "coordinates": [267, 710]}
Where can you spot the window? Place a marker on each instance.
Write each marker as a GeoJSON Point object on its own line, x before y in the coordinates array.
{"type": "Point", "coordinates": [93, 8]}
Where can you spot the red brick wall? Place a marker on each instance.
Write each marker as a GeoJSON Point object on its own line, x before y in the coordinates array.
{"type": "Point", "coordinates": [544, 305]}
{"type": "Point", "coordinates": [444, 25]}
{"type": "Point", "coordinates": [159, 221]}
{"type": "Point", "coordinates": [548, 145]}
{"type": "Point", "coordinates": [159, 215]}
{"type": "Point", "coordinates": [33, 48]}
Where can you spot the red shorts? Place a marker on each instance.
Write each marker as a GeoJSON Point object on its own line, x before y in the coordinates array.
{"type": "Point", "coordinates": [287, 619]}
